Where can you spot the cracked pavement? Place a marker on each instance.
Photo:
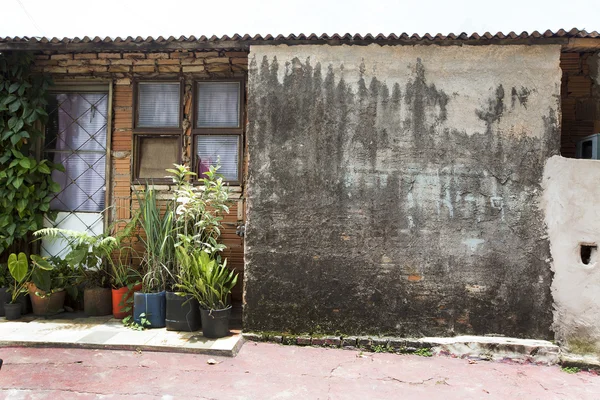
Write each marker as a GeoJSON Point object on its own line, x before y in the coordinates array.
{"type": "Point", "coordinates": [270, 371]}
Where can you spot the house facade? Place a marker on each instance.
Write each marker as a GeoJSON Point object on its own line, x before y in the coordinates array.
{"type": "Point", "coordinates": [398, 185]}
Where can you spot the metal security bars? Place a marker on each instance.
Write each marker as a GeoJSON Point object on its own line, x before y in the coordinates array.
{"type": "Point", "coordinates": [76, 137]}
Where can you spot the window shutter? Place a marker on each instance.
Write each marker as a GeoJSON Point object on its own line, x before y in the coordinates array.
{"type": "Point", "coordinates": [222, 148]}
{"type": "Point", "coordinates": [218, 105]}
{"type": "Point", "coordinates": [158, 105]}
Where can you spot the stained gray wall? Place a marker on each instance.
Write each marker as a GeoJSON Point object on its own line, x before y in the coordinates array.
{"type": "Point", "coordinates": [395, 190]}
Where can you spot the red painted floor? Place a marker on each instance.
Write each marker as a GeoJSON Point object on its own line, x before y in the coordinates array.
{"type": "Point", "coordinates": [269, 371]}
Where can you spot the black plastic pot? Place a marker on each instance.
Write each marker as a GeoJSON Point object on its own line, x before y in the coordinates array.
{"type": "Point", "coordinates": [4, 298]}
{"type": "Point", "coordinates": [152, 305]}
{"type": "Point", "coordinates": [183, 313]}
{"type": "Point", "coordinates": [12, 311]}
{"type": "Point", "coordinates": [215, 323]}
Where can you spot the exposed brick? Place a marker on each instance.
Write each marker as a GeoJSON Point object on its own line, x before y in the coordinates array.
{"type": "Point", "coordinates": [157, 55]}
{"type": "Point", "coordinates": [218, 68]}
{"type": "Point", "coordinates": [144, 62]}
{"type": "Point", "coordinates": [239, 61]}
{"type": "Point", "coordinates": [85, 56]}
{"type": "Point", "coordinates": [42, 57]}
{"type": "Point", "coordinates": [99, 61]}
{"type": "Point", "coordinates": [56, 70]}
{"type": "Point", "coordinates": [169, 68]}
{"type": "Point", "coordinates": [119, 68]}
{"type": "Point", "coordinates": [168, 62]}
{"type": "Point", "coordinates": [192, 61]}
{"type": "Point", "coordinates": [134, 55]}
{"type": "Point", "coordinates": [143, 68]}
{"type": "Point", "coordinates": [61, 57]}
{"type": "Point", "coordinates": [239, 67]}
{"type": "Point", "coordinates": [123, 81]}
{"type": "Point", "coordinates": [182, 54]}
{"type": "Point", "coordinates": [194, 68]}
{"type": "Point", "coordinates": [109, 55]}
{"type": "Point", "coordinates": [217, 60]}
{"type": "Point", "coordinates": [121, 62]}
{"type": "Point", "coordinates": [204, 54]}
{"type": "Point", "coordinates": [71, 63]}
{"type": "Point", "coordinates": [98, 68]}
{"type": "Point", "coordinates": [79, 70]}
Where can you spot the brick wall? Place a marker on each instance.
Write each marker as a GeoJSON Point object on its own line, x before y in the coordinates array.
{"type": "Point", "coordinates": [121, 69]}
{"type": "Point", "coordinates": [580, 110]}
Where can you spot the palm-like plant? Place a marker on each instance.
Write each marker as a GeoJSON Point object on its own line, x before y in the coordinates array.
{"type": "Point", "coordinates": [207, 280]}
{"type": "Point", "coordinates": [158, 240]}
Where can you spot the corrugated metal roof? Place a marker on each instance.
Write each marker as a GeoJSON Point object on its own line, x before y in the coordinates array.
{"type": "Point", "coordinates": [73, 44]}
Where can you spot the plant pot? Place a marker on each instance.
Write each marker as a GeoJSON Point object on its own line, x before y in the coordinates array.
{"type": "Point", "coordinates": [97, 302]}
{"type": "Point", "coordinates": [120, 298]}
{"type": "Point", "coordinates": [152, 305]}
{"type": "Point", "coordinates": [12, 311]}
{"type": "Point", "coordinates": [46, 304]}
{"type": "Point", "coordinates": [23, 300]}
{"type": "Point", "coordinates": [183, 313]}
{"type": "Point", "coordinates": [4, 298]}
{"type": "Point", "coordinates": [215, 323]}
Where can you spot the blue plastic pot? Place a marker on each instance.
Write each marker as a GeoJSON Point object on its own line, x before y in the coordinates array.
{"type": "Point", "coordinates": [152, 305]}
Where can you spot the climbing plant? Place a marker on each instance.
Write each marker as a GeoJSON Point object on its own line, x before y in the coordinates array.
{"type": "Point", "coordinates": [26, 185]}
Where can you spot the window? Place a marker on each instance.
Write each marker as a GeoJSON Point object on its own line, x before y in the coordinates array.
{"type": "Point", "coordinates": [75, 136]}
{"type": "Point", "coordinates": [157, 129]}
{"type": "Point", "coordinates": [218, 127]}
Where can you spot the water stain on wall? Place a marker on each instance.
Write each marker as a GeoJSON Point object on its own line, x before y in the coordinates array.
{"type": "Point", "coordinates": [345, 174]}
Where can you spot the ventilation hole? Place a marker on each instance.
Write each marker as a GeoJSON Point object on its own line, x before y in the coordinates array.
{"type": "Point", "coordinates": [587, 252]}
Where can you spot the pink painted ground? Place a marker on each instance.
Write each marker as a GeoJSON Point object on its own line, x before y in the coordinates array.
{"type": "Point", "coordinates": [269, 371]}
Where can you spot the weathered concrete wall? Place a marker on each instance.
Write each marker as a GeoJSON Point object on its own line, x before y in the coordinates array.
{"type": "Point", "coordinates": [395, 190]}
{"type": "Point", "coordinates": [571, 195]}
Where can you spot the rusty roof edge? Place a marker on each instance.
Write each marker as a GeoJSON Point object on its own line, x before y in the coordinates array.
{"type": "Point", "coordinates": [244, 42]}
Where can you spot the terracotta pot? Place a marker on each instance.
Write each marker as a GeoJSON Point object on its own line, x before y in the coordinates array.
{"type": "Point", "coordinates": [46, 305]}
{"type": "Point", "coordinates": [97, 302]}
{"type": "Point", "coordinates": [119, 301]}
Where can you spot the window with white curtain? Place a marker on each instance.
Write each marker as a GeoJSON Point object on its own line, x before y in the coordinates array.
{"type": "Point", "coordinates": [75, 137]}
{"type": "Point", "coordinates": [218, 128]}
{"type": "Point", "coordinates": [157, 141]}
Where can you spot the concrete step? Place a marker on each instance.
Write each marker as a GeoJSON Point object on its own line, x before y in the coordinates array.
{"type": "Point", "coordinates": [110, 334]}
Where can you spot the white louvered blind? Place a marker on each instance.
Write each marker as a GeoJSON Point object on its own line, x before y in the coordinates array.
{"type": "Point", "coordinates": [158, 105]}
{"type": "Point", "coordinates": [218, 105]}
{"type": "Point", "coordinates": [222, 148]}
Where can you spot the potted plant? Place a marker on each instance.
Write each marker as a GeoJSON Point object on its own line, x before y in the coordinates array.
{"type": "Point", "coordinates": [19, 270]}
{"type": "Point", "coordinates": [18, 267]}
{"type": "Point", "coordinates": [50, 278]}
{"type": "Point", "coordinates": [210, 282]}
{"type": "Point", "coordinates": [125, 281]}
{"type": "Point", "coordinates": [88, 257]}
{"type": "Point", "coordinates": [198, 215]}
{"type": "Point", "coordinates": [159, 246]}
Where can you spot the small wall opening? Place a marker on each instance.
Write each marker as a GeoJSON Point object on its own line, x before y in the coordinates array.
{"type": "Point", "coordinates": [588, 253]}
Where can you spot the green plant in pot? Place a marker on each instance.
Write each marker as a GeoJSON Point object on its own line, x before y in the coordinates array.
{"type": "Point", "coordinates": [125, 281]}
{"type": "Point", "coordinates": [22, 276]}
{"type": "Point", "coordinates": [198, 216]}
{"type": "Point", "coordinates": [18, 267]}
{"type": "Point", "coordinates": [51, 277]}
{"type": "Point", "coordinates": [158, 238]}
{"type": "Point", "coordinates": [88, 258]}
{"type": "Point", "coordinates": [210, 282]}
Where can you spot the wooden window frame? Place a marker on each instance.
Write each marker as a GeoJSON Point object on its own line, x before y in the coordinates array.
{"type": "Point", "coordinates": [88, 86]}
{"type": "Point", "coordinates": [144, 132]}
{"type": "Point", "coordinates": [225, 131]}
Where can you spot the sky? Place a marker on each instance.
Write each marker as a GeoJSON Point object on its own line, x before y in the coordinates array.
{"type": "Point", "coordinates": [78, 18]}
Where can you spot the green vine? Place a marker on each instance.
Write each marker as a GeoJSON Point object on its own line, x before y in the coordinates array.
{"type": "Point", "coordinates": [26, 186]}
